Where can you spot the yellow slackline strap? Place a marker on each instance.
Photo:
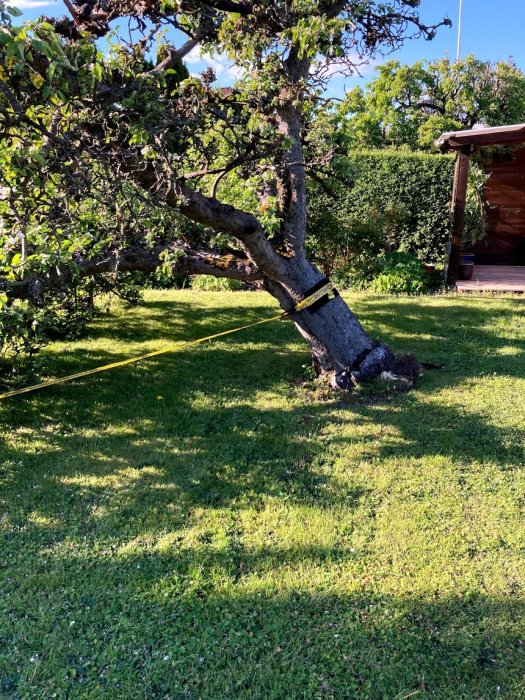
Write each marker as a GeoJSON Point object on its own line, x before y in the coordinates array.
{"type": "Point", "coordinates": [304, 304]}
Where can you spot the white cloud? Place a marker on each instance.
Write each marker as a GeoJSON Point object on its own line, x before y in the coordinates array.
{"type": "Point", "coordinates": [30, 4]}
{"type": "Point", "coordinates": [351, 65]}
{"type": "Point", "coordinates": [220, 63]}
{"type": "Point", "coordinates": [194, 56]}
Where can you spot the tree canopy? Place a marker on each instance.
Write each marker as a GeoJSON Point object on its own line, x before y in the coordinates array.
{"type": "Point", "coordinates": [413, 105]}
{"type": "Point", "coordinates": [104, 153]}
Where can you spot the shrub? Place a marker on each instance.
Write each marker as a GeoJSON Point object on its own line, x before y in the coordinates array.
{"type": "Point", "coordinates": [25, 329]}
{"type": "Point", "coordinates": [398, 201]}
{"type": "Point", "coordinates": [19, 328]}
{"type": "Point", "coordinates": [400, 273]}
{"type": "Point", "coordinates": [476, 225]}
{"type": "Point", "coordinates": [208, 283]}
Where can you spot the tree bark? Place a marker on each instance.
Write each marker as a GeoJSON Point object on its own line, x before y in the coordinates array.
{"type": "Point", "coordinates": [342, 352]}
{"type": "Point", "coordinates": [131, 259]}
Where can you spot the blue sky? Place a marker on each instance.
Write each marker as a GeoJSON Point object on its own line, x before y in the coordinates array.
{"type": "Point", "coordinates": [491, 31]}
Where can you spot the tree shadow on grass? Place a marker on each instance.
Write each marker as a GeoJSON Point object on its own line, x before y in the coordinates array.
{"type": "Point", "coordinates": [176, 448]}
{"type": "Point", "coordinates": [183, 320]}
{"type": "Point", "coordinates": [146, 450]}
{"type": "Point", "coordinates": [154, 431]}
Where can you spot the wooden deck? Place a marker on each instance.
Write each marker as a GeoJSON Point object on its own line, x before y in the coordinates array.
{"type": "Point", "coordinates": [494, 278]}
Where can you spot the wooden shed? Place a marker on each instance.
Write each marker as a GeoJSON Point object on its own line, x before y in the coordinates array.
{"type": "Point", "coordinates": [500, 258]}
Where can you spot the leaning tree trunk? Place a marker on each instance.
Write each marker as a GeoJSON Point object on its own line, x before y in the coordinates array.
{"type": "Point", "coordinates": [342, 352]}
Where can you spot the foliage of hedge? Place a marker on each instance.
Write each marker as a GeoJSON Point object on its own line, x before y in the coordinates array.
{"type": "Point", "coordinates": [398, 201]}
{"type": "Point", "coordinates": [207, 283]}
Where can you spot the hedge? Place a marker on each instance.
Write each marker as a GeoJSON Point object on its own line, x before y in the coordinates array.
{"type": "Point", "coordinates": [398, 201]}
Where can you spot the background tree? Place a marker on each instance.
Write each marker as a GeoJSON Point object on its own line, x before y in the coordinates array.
{"type": "Point", "coordinates": [129, 142]}
{"type": "Point", "coordinates": [413, 105]}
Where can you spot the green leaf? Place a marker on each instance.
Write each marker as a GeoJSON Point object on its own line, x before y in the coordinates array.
{"type": "Point", "coordinates": [97, 71]}
{"type": "Point", "coordinates": [43, 47]}
{"type": "Point", "coordinates": [20, 50]}
{"type": "Point", "coordinates": [51, 70]}
{"type": "Point", "coordinates": [38, 157]}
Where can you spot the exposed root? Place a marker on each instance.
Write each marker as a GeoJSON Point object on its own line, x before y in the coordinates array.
{"type": "Point", "coordinates": [407, 368]}
{"type": "Point", "coordinates": [379, 362]}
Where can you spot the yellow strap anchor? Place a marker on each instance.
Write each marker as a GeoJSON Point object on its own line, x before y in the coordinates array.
{"type": "Point", "coordinates": [304, 304]}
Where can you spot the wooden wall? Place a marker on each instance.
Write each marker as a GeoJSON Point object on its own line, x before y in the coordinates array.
{"type": "Point", "coordinates": [505, 192]}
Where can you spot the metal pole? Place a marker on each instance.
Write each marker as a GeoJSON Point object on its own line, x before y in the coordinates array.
{"type": "Point", "coordinates": [458, 54]}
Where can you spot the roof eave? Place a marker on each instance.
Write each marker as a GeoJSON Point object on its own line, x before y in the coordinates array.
{"type": "Point", "coordinates": [493, 136]}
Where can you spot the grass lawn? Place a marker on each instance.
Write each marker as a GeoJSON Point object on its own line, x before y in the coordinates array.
{"type": "Point", "coordinates": [203, 526]}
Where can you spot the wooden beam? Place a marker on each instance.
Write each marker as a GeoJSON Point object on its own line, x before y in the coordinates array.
{"type": "Point", "coordinates": [459, 201]}
{"type": "Point", "coordinates": [500, 135]}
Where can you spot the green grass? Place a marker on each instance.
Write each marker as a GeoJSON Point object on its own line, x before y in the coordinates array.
{"type": "Point", "coordinates": [204, 526]}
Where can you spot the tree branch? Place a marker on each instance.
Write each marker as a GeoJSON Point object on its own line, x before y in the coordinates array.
{"type": "Point", "coordinates": [241, 8]}
{"type": "Point", "coordinates": [240, 224]}
{"type": "Point", "coordinates": [290, 125]}
{"type": "Point", "coordinates": [134, 258]}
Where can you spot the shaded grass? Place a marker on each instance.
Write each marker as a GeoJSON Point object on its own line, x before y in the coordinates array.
{"type": "Point", "coordinates": [204, 526]}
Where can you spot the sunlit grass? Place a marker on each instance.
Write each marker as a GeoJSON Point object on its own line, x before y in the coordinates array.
{"type": "Point", "coordinates": [205, 525]}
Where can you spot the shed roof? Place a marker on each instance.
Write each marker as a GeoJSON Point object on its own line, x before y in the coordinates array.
{"type": "Point", "coordinates": [498, 135]}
